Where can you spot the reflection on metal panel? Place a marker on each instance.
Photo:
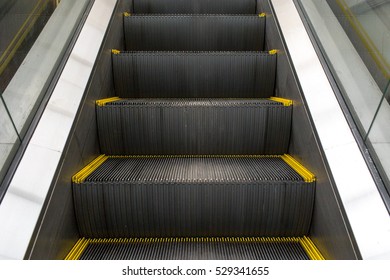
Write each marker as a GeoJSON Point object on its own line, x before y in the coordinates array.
{"type": "Point", "coordinates": [364, 208]}
{"type": "Point", "coordinates": [22, 205]}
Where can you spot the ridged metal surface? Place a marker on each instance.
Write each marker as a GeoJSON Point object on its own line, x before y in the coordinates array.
{"type": "Point", "coordinates": [197, 249]}
{"type": "Point", "coordinates": [193, 196]}
{"type": "Point", "coordinates": [193, 126]}
{"type": "Point", "coordinates": [194, 33]}
{"type": "Point", "coordinates": [194, 74]}
{"type": "Point", "coordinates": [194, 6]}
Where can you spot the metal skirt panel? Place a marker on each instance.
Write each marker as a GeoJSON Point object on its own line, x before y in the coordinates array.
{"type": "Point", "coordinates": [195, 127]}
{"type": "Point", "coordinates": [194, 74]}
{"type": "Point", "coordinates": [194, 6]}
{"type": "Point", "coordinates": [188, 197]}
{"type": "Point", "coordinates": [197, 249]}
{"type": "Point", "coordinates": [194, 33]}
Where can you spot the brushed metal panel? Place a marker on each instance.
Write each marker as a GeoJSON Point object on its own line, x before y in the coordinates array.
{"type": "Point", "coordinates": [367, 216]}
{"type": "Point", "coordinates": [329, 230]}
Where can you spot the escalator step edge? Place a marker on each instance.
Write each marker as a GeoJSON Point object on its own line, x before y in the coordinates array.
{"type": "Point", "coordinates": [222, 248]}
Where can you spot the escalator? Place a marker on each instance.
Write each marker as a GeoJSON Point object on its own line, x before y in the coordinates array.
{"type": "Point", "coordinates": [194, 144]}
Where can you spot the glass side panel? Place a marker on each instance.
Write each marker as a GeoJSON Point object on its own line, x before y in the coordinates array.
{"type": "Point", "coordinates": [9, 140]}
{"type": "Point", "coordinates": [354, 38]}
{"type": "Point", "coordinates": [34, 35]}
{"type": "Point", "coordinates": [379, 138]}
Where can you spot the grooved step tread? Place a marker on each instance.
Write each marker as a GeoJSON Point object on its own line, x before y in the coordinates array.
{"type": "Point", "coordinates": [296, 248]}
{"type": "Point", "coordinates": [194, 126]}
{"type": "Point", "coordinates": [194, 32]}
{"type": "Point", "coordinates": [194, 74]}
{"type": "Point", "coordinates": [194, 6]}
{"type": "Point", "coordinates": [167, 196]}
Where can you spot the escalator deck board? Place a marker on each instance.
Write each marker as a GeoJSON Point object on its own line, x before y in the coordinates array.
{"type": "Point", "coordinates": [300, 248]}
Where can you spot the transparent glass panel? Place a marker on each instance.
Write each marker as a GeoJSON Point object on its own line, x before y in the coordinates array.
{"type": "Point", "coordinates": [25, 91]}
{"type": "Point", "coordinates": [361, 92]}
{"type": "Point", "coordinates": [354, 37]}
{"type": "Point", "coordinates": [9, 140]}
{"type": "Point", "coordinates": [379, 138]}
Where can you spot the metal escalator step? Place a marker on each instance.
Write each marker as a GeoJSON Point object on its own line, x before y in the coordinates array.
{"type": "Point", "coordinates": [194, 32]}
{"type": "Point", "coordinates": [194, 126]}
{"type": "Point", "coordinates": [230, 248]}
{"type": "Point", "coordinates": [183, 196]}
{"type": "Point", "coordinates": [194, 6]}
{"type": "Point", "coordinates": [194, 74]}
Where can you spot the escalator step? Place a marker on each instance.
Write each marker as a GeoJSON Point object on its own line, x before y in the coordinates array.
{"type": "Point", "coordinates": [194, 126]}
{"type": "Point", "coordinates": [296, 248]}
{"type": "Point", "coordinates": [183, 196]}
{"type": "Point", "coordinates": [194, 32]}
{"type": "Point", "coordinates": [194, 74]}
{"type": "Point", "coordinates": [194, 6]}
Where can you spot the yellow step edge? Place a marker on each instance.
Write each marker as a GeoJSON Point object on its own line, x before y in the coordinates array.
{"type": "Point", "coordinates": [300, 169]}
{"type": "Point", "coordinates": [115, 51]}
{"type": "Point", "coordinates": [272, 52]}
{"type": "Point", "coordinates": [126, 14]}
{"type": "Point", "coordinates": [194, 156]}
{"type": "Point", "coordinates": [286, 102]}
{"type": "Point", "coordinates": [80, 176]}
{"type": "Point", "coordinates": [306, 243]}
{"type": "Point", "coordinates": [310, 249]}
{"type": "Point", "coordinates": [262, 15]}
{"type": "Point", "coordinates": [102, 102]}
{"type": "Point", "coordinates": [78, 249]}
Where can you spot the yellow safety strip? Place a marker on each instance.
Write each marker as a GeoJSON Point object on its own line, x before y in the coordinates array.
{"type": "Point", "coordinates": [80, 176]}
{"type": "Point", "coordinates": [300, 169]}
{"type": "Point", "coordinates": [305, 242]}
{"type": "Point", "coordinates": [77, 249]}
{"type": "Point", "coordinates": [262, 15]}
{"type": "Point", "coordinates": [126, 14]}
{"type": "Point", "coordinates": [274, 51]}
{"type": "Point", "coordinates": [310, 249]}
{"type": "Point", "coordinates": [22, 33]}
{"type": "Point", "coordinates": [102, 102]}
{"type": "Point", "coordinates": [286, 102]}
{"type": "Point", "coordinates": [195, 156]}
{"type": "Point", "coordinates": [114, 51]}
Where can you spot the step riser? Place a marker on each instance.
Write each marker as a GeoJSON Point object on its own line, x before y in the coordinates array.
{"type": "Point", "coordinates": [200, 75]}
{"type": "Point", "coordinates": [170, 210]}
{"type": "Point", "coordinates": [194, 33]}
{"type": "Point", "coordinates": [194, 130]}
{"type": "Point", "coordinates": [194, 6]}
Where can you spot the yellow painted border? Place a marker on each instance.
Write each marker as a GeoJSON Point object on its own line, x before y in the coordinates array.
{"type": "Point", "coordinates": [286, 102]}
{"type": "Point", "coordinates": [80, 176]}
{"type": "Point", "coordinates": [309, 247]}
{"type": "Point", "coordinates": [102, 102]}
{"type": "Point", "coordinates": [78, 249]}
{"type": "Point", "coordinates": [300, 169]}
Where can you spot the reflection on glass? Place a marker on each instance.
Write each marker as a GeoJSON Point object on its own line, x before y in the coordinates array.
{"type": "Point", "coordinates": [379, 137]}
{"type": "Point", "coordinates": [9, 141]}
{"type": "Point", "coordinates": [367, 23]}
{"type": "Point", "coordinates": [354, 36]}
{"type": "Point", "coordinates": [20, 24]}
{"type": "Point", "coordinates": [30, 82]}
